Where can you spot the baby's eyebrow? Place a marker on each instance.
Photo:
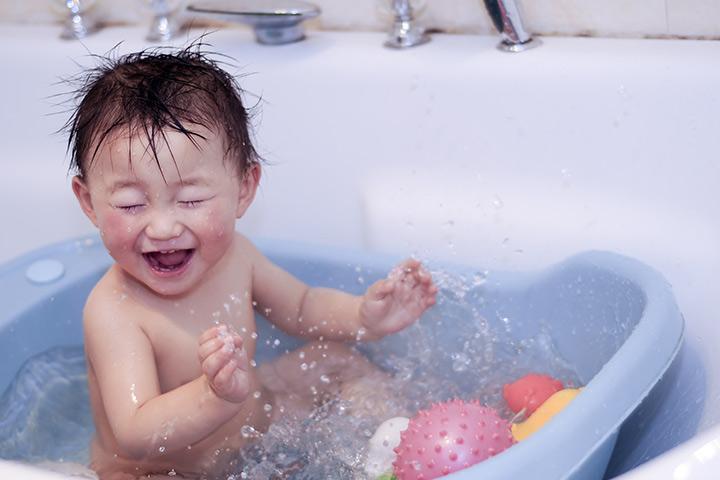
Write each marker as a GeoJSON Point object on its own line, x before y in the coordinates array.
{"type": "Point", "coordinates": [120, 184]}
{"type": "Point", "coordinates": [192, 181]}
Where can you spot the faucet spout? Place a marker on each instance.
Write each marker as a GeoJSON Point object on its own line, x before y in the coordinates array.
{"type": "Point", "coordinates": [506, 17]}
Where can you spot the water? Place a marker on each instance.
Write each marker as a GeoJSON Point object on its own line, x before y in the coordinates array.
{"type": "Point", "coordinates": [48, 401]}
{"type": "Point", "coordinates": [459, 349]}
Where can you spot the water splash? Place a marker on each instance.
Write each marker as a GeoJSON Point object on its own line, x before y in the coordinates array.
{"type": "Point", "coordinates": [466, 347]}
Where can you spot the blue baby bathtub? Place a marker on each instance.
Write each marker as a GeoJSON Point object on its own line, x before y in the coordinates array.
{"type": "Point", "coordinates": [612, 318]}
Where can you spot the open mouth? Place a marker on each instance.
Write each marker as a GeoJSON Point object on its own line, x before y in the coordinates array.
{"type": "Point", "coordinates": [168, 261]}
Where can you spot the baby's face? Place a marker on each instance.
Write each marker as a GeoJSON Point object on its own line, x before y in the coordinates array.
{"type": "Point", "coordinates": [167, 233]}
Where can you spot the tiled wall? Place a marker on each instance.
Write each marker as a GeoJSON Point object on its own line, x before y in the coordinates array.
{"type": "Point", "coordinates": [616, 18]}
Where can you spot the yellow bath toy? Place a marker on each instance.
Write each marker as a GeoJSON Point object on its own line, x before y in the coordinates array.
{"type": "Point", "coordinates": [551, 407]}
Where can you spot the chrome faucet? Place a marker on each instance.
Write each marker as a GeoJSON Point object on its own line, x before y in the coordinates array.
{"type": "Point", "coordinates": [165, 23]}
{"type": "Point", "coordinates": [405, 33]}
{"type": "Point", "coordinates": [78, 24]}
{"type": "Point", "coordinates": [508, 21]}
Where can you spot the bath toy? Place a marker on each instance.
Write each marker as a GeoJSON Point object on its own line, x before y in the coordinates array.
{"type": "Point", "coordinates": [387, 476]}
{"type": "Point", "coordinates": [550, 407]}
{"type": "Point", "coordinates": [448, 437]}
{"type": "Point", "coordinates": [530, 391]}
{"type": "Point", "coordinates": [381, 447]}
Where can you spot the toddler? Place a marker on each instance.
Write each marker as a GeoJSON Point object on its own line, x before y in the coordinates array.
{"type": "Point", "coordinates": [164, 166]}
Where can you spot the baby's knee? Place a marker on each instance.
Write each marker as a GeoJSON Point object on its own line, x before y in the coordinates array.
{"type": "Point", "coordinates": [336, 354]}
{"type": "Point", "coordinates": [374, 395]}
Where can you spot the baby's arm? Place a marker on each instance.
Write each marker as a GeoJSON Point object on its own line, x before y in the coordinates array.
{"type": "Point", "coordinates": [144, 422]}
{"type": "Point", "coordinates": [388, 306]}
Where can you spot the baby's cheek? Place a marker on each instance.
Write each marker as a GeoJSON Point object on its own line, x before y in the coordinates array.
{"type": "Point", "coordinates": [218, 224]}
{"type": "Point", "coordinates": [117, 232]}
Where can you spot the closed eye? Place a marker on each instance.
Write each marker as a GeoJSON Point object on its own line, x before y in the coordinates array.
{"type": "Point", "coordinates": [191, 203]}
{"type": "Point", "coordinates": [130, 208]}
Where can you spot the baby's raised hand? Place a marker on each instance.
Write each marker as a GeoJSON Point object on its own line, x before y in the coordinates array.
{"type": "Point", "coordinates": [224, 362]}
{"type": "Point", "coordinates": [394, 303]}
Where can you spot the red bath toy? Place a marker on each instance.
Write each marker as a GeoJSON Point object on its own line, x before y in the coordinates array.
{"type": "Point", "coordinates": [448, 437]}
{"type": "Point", "coordinates": [530, 391]}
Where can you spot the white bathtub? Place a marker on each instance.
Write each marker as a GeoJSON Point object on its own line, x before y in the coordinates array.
{"type": "Point", "coordinates": [452, 150]}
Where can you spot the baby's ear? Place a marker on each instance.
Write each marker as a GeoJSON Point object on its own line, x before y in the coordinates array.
{"type": "Point", "coordinates": [82, 193]}
{"type": "Point", "coordinates": [248, 186]}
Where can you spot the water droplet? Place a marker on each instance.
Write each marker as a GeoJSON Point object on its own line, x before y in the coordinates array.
{"type": "Point", "coordinates": [133, 396]}
{"type": "Point", "coordinates": [479, 279]}
{"type": "Point", "coordinates": [248, 431]}
{"type": "Point", "coordinates": [461, 361]}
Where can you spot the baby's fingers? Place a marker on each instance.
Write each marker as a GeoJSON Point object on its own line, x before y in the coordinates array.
{"type": "Point", "coordinates": [240, 353]}
{"type": "Point", "coordinates": [423, 276]}
{"type": "Point", "coordinates": [380, 289]}
{"type": "Point", "coordinates": [224, 376]}
{"type": "Point", "coordinates": [209, 347]}
{"type": "Point", "coordinates": [231, 383]}
{"type": "Point", "coordinates": [216, 361]}
{"type": "Point", "coordinates": [407, 267]}
{"type": "Point", "coordinates": [220, 330]}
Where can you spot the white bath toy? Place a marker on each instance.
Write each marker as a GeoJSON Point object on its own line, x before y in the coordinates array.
{"type": "Point", "coordinates": [380, 454]}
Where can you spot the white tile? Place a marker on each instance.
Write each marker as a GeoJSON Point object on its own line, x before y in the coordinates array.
{"type": "Point", "coordinates": [617, 18]}
{"type": "Point", "coordinates": [466, 16]}
{"type": "Point", "coordinates": [351, 15]}
{"type": "Point", "coordinates": [461, 16]}
{"type": "Point", "coordinates": [30, 11]}
{"type": "Point", "coordinates": [694, 17]}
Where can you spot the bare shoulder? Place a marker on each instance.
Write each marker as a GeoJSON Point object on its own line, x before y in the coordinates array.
{"type": "Point", "coordinates": [109, 307]}
{"type": "Point", "coordinates": [248, 249]}
{"type": "Point", "coordinates": [245, 244]}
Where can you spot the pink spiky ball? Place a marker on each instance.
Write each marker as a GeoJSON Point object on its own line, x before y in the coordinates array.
{"type": "Point", "coordinates": [448, 437]}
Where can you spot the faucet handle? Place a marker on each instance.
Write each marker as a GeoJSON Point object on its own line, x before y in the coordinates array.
{"type": "Point", "coordinates": [275, 22]}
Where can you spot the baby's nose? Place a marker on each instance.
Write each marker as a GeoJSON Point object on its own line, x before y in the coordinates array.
{"type": "Point", "coordinates": [164, 226]}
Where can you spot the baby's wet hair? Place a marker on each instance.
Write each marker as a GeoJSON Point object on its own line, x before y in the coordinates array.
{"type": "Point", "coordinates": [151, 92]}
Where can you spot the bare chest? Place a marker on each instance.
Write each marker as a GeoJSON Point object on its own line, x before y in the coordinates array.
{"type": "Point", "coordinates": [174, 334]}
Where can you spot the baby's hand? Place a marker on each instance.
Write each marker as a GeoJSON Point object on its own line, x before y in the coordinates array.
{"type": "Point", "coordinates": [224, 362]}
{"type": "Point", "coordinates": [394, 303]}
